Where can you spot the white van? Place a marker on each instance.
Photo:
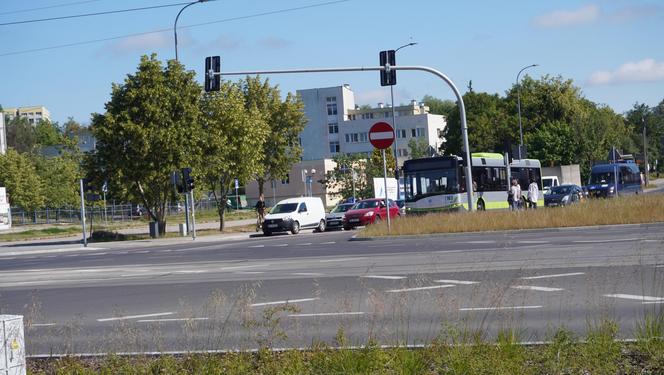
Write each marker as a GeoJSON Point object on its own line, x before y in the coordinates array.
{"type": "Point", "coordinates": [294, 214]}
{"type": "Point", "coordinates": [548, 182]}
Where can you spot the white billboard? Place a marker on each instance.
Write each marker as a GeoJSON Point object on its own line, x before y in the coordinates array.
{"type": "Point", "coordinates": [379, 188]}
{"type": "Point", "coordinates": [5, 213]}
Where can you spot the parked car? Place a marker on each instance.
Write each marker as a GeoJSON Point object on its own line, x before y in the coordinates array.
{"type": "Point", "coordinates": [548, 182]}
{"type": "Point", "coordinates": [334, 220]}
{"type": "Point", "coordinates": [294, 214]}
{"type": "Point", "coordinates": [369, 211]}
{"type": "Point", "coordinates": [563, 195]}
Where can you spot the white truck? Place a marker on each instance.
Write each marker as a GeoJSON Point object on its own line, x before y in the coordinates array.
{"type": "Point", "coordinates": [561, 174]}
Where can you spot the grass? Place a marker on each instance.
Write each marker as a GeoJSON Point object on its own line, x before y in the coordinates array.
{"type": "Point", "coordinates": [644, 208]}
{"type": "Point", "coordinates": [36, 234]}
{"type": "Point", "coordinates": [597, 353]}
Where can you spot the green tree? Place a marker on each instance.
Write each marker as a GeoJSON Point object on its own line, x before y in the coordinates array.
{"type": "Point", "coordinates": [18, 175]}
{"type": "Point", "coordinates": [339, 181]}
{"type": "Point", "coordinates": [48, 133]}
{"type": "Point", "coordinates": [439, 106]}
{"type": "Point", "coordinates": [418, 148]}
{"type": "Point", "coordinates": [149, 130]}
{"type": "Point", "coordinates": [285, 120]}
{"type": "Point", "coordinates": [60, 176]}
{"type": "Point", "coordinates": [233, 142]}
{"type": "Point", "coordinates": [374, 168]}
{"type": "Point", "coordinates": [21, 135]}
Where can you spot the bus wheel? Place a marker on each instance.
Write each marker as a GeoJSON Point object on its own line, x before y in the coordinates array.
{"type": "Point", "coordinates": [480, 205]}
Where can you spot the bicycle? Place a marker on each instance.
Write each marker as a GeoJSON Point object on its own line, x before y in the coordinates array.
{"type": "Point", "coordinates": [259, 220]}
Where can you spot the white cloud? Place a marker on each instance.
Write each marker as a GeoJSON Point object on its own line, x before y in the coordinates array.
{"type": "Point", "coordinates": [146, 43]}
{"type": "Point", "coordinates": [560, 18]}
{"type": "Point", "coordinates": [647, 70]}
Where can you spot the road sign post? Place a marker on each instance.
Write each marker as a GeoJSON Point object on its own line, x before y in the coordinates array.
{"type": "Point", "coordinates": [85, 239]}
{"type": "Point", "coordinates": [381, 136]}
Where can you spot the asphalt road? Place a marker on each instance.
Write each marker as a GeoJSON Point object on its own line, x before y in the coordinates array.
{"type": "Point", "coordinates": [231, 293]}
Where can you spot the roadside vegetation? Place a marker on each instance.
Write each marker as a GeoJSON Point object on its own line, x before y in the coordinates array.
{"type": "Point", "coordinates": [599, 352]}
{"type": "Point", "coordinates": [643, 208]}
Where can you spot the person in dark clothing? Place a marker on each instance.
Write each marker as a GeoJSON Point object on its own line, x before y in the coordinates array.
{"type": "Point", "coordinates": [260, 211]}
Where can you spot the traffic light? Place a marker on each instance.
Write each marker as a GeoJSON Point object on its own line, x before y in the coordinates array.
{"type": "Point", "coordinates": [88, 185]}
{"type": "Point", "coordinates": [388, 78]}
{"type": "Point", "coordinates": [187, 179]}
{"type": "Point", "coordinates": [212, 70]}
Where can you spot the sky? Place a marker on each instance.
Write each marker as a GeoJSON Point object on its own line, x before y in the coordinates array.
{"type": "Point", "coordinates": [611, 49]}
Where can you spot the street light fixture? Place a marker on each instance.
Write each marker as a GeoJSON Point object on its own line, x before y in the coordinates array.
{"type": "Point", "coordinates": [175, 26]}
{"type": "Point", "coordinates": [394, 124]}
{"type": "Point", "coordinates": [518, 101]}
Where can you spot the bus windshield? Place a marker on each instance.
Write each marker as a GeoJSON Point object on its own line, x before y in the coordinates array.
{"type": "Point", "coordinates": [432, 182]}
{"type": "Point", "coordinates": [601, 178]}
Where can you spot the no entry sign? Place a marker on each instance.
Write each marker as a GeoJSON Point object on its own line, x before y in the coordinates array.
{"type": "Point", "coordinates": [381, 135]}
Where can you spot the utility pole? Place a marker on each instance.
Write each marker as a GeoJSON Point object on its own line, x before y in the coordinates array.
{"type": "Point", "coordinates": [645, 152]}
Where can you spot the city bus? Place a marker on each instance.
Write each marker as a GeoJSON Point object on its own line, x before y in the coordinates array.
{"type": "Point", "coordinates": [439, 183]}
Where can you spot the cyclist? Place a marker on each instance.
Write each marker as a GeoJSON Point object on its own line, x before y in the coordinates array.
{"type": "Point", "coordinates": [260, 211]}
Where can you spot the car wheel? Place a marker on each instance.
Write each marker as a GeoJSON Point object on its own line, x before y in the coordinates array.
{"type": "Point", "coordinates": [321, 226]}
{"type": "Point", "coordinates": [296, 228]}
{"type": "Point", "coordinates": [480, 205]}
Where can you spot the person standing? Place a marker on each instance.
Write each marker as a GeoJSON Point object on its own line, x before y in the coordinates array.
{"type": "Point", "coordinates": [533, 194]}
{"type": "Point", "coordinates": [516, 195]}
{"type": "Point", "coordinates": [260, 210]}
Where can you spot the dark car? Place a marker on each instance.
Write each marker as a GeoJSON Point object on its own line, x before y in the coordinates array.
{"type": "Point", "coordinates": [335, 218]}
{"type": "Point", "coordinates": [564, 195]}
{"type": "Point", "coordinates": [369, 211]}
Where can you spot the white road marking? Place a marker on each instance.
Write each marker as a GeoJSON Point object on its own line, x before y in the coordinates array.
{"type": "Point", "coordinates": [257, 246]}
{"type": "Point", "coordinates": [94, 254]}
{"type": "Point", "coordinates": [660, 266]}
{"type": "Point", "coordinates": [43, 324]}
{"type": "Point", "coordinates": [191, 271]}
{"type": "Point", "coordinates": [305, 244]}
{"type": "Point", "coordinates": [533, 242]}
{"type": "Point", "coordinates": [328, 243]}
{"type": "Point", "coordinates": [635, 297]}
{"type": "Point", "coordinates": [281, 245]}
{"type": "Point", "coordinates": [384, 277]}
{"type": "Point", "coordinates": [480, 242]}
{"type": "Point", "coordinates": [460, 282]}
{"type": "Point", "coordinates": [499, 308]}
{"type": "Point", "coordinates": [536, 288]}
{"type": "Point", "coordinates": [307, 274]}
{"type": "Point", "coordinates": [241, 267]}
{"type": "Point", "coordinates": [134, 316]}
{"type": "Point", "coordinates": [72, 255]}
{"type": "Point", "coordinates": [555, 275]}
{"type": "Point", "coordinates": [48, 256]}
{"type": "Point", "coordinates": [283, 302]}
{"type": "Point", "coordinates": [418, 288]}
{"type": "Point", "coordinates": [169, 320]}
{"type": "Point", "coordinates": [326, 314]}
{"type": "Point", "coordinates": [606, 241]}
{"type": "Point", "coordinates": [249, 272]}
{"type": "Point", "coordinates": [340, 260]}
{"type": "Point", "coordinates": [653, 302]}
{"type": "Point", "coordinates": [141, 252]}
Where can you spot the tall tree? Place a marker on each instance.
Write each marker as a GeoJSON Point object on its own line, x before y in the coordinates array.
{"type": "Point", "coordinates": [18, 175]}
{"type": "Point", "coordinates": [418, 148]}
{"type": "Point", "coordinates": [149, 130]}
{"type": "Point", "coordinates": [439, 106]}
{"type": "Point", "coordinates": [348, 178]}
{"type": "Point", "coordinates": [21, 135]}
{"type": "Point", "coordinates": [48, 133]}
{"type": "Point", "coordinates": [233, 142]}
{"type": "Point", "coordinates": [285, 121]}
{"type": "Point", "coordinates": [60, 177]}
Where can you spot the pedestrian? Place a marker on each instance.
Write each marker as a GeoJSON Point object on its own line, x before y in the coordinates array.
{"type": "Point", "coordinates": [533, 194]}
{"type": "Point", "coordinates": [516, 195]}
{"type": "Point", "coordinates": [260, 211]}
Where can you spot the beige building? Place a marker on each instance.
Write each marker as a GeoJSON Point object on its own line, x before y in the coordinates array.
{"type": "Point", "coordinates": [34, 113]}
{"type": "Point", "coordinates": [302, 180]}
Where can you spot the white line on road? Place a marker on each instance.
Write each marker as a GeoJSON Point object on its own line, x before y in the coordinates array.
{"type": "Point", "coordinates": [169, 320]}
{"type": "Point", "coordinates": [43, 324]}
{"type": "Point", "coordinates": [499, 308]}
{"type": "Point", "coordinates": [72, 255]}
{"type": "Point", "coordinates": [478, 242]}
{"type": "Point", "coordinates": [307, 274]}
{"type": "Point", "coordinates": [460, 282]}
{"type": "Point", "coordinates": [635, 297]}
{"type": "Point", "coordinates": [328, 243]}
{"type": "Point", "coordinates": [533, 242]}
{"type": "Point", "coordinates": [326, 314]}
{"type": "Point", "coordinates": [191, 271]}
{"type": "Point", "coordinates": [281, 245]}
{"type": "Point", "coordinates": [555, 275]}
{"type": "Point", "coordinates": [384, 277]}
{"type": "Point", "coordinates": [283, 302]}
{"type": "Point", "coordinates": [605, 241]}
{"type": "Point", "coordinates": [305, 244]}
{"type": "Point", "coordinates": [249, 272]}
{"type": "Point", "coordinates": [536, 288]}
{"type": "Point", "coordinates": [340, 260]}
{"type": "Point", "coordinates": [653, 302]}
{"type": "Point", "coordinates": [257, 246]}
{"type": "Point", "coordinates": [134, 316]}
{"type": "Point", "coordinates": [95, 254]}
{"type": "Point", "coordinates": [141, 252]}
{"type": "Point", "coordinates": [418, 288]}
{"type": "Point", "coordinates": [241, 267]}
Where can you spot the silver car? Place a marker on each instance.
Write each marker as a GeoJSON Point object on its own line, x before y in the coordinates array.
{"type": "Point", "coordinates": [334, 219]}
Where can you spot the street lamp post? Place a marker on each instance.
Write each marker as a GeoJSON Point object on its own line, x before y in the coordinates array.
{"type": "Point", "coordinates": [518, 105]}
{"type": "Point", "coordinates": [394, 125]}
{"type": "Point", "coordinates": [175, 26]}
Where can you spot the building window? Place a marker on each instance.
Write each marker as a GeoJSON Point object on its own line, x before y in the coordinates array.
{"type": "Point", "coordinates": [401, 133]}
{"type": "Point", "coordinates": [402, 152]}
{"type": "Point", "coordinates": [364, 137]}
{"type": "Point", "coordinates": [331, 105]}
{"type": "Point", "coordinates": [334, 147]}
{"type": "Point", "coordinates": [333, 128]}
{"type": "Point", "coordinates": [387, 114]}
{"type": "Point", "coordinates": [417, 132]}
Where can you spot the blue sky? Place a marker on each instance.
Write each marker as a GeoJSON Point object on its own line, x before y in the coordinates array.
{"type": "Point", "coordinates": [611, 49]}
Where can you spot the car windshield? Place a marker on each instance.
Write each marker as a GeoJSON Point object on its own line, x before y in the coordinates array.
{"type": "Point", "coordinates": [284, 208]}
{"type": "Point", "coordinates": [601, 178]}
{"type": "Point", "coordinates": [561, 190]}
{"type": "Point", "coordinates": [547, 182]}
{"type": "Point", "coordinates": [341, 208]}
{"type": "Point", "coordinates": [366, 204]}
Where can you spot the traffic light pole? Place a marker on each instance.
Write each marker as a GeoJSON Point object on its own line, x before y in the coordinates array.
{"type": "Point", "coordinates": [85, 239]}
{"type": "Point", "coordinates": [193, 215]}
{"type": "Point", "coordinates": [462, 109]}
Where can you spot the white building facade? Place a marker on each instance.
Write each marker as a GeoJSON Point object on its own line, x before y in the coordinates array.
{"type": "Point", "coordinates": [33, 114]}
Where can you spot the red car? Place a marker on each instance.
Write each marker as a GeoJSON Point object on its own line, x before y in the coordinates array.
{"type": "Point", "coordinates": [368, 211]}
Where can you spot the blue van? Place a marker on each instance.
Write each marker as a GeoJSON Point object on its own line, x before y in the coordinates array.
{"type": "Point", "coordinates": [603, 179]}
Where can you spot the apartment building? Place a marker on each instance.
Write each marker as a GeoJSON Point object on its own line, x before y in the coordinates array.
{"type": "Point", "coordinates": [34, 113]}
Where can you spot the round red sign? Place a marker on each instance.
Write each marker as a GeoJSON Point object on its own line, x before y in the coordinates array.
{"type": "Point", "coordinates": [381, 135]}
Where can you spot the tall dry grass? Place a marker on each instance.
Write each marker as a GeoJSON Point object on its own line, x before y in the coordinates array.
{"type": "Point", "coordinates": [642, 208]}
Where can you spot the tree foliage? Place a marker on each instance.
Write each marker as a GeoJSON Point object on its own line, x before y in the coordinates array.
{"type": "Point", "coordinates": [21, 135]}
{"type": "Point", "coordinates": [149, 130]}
{"type": "Point", "coordinates": [19, 176]}
{"type": "Point", "coordinates": [60, 176]}
{"type": "Point", "coordinates": [348, 167]}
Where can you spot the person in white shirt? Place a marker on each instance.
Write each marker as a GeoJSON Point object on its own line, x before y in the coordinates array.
{"type": "Point", "coordinates": [533, 194]}
{"type": "Point", "coordinates": [516, 195]}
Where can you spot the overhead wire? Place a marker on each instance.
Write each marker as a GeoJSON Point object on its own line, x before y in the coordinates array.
{"type": "Point", "coordinates": [224, 20]}
{"type": "Point", "coordinates": [48, 7]}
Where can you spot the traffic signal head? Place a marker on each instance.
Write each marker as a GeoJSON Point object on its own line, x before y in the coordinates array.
{"type": "Point", "coordinates": [187, 179]}
{"type": "Point", "coordinates": [388, 78]}
{"type": "Point", "coordinates": [88, 185]}
{"type": "Point", "coordinates": [212, 70]}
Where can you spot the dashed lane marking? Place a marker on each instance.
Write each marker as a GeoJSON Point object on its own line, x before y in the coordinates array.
{"type": "Point", "coordinates": [418, 288]}
{"type": "Point", "coordinates": [169, 320]}
{"type": "Point", "coordinates": [551, 276]}
{"type": "Point", "coordinates": [500, 308]}
{"type": "Point", "coordinates": [43, 324]}
{"type": "Point", "coordinates": [283, 302]}
{"type": "Point", "coordinates": [281, 245]}
{"type": "Point", "coordinates": [606, 241]}
{"type": "Point", "coordinates": [328, 243]}
{"type": "Point", "coordinates": [256, 246]}
{"type": "Point", "coordinates": [326, 314]}
{"type": "Point", "coordinates": [384, 277]}
{"type": "Point", "coordinates": [242, 267]}
{"type": "Point", "coordinates": [307, 274]}
{"type": "Point", "coordinates": [339, 260]}
{"type": "Point", "coordinates": [536, 288]}
{"type": "Point", "coordinates": [460, 282]}
{"type": "Point", "coordinates": [127, 317]}
{"type": "Point", "coordinates": [635, 297]}
{"type": "Point", "coordinates": [305, 244]}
